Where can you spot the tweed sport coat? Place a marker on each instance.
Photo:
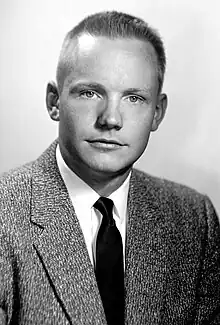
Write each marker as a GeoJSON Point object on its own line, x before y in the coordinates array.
{"type": "Point", "coordinates": [172, 273]}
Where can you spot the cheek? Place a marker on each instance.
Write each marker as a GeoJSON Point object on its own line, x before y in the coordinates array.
{"type": "Point", "coordinates": [139, 124]}
{"type": "Point", "coordinates": [139, 133]}
{"type": "Point", "coordinates": [76, 124]}
{"type": "Point", "coordinates": [78, 111]}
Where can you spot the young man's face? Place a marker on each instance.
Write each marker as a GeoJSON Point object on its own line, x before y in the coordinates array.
{"type": "Point", "coordinates": [108, 104]}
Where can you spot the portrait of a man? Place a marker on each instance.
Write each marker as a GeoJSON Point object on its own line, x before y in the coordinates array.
{"type": "Point", "coordinates": [86, 238]}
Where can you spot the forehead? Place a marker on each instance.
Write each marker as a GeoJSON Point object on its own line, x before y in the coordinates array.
{"type": "Point", "coordinates": [111, 59]}
{"type": "Point", "coordinates": [88, 43]}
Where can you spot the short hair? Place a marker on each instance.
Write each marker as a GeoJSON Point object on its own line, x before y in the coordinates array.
{"type": "Point", "coordinates": [113, 24]}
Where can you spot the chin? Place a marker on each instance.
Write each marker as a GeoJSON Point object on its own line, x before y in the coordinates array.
{"type": "Point", "coordinates": [109, 167]}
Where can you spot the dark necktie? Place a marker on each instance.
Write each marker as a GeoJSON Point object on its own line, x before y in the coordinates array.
{"type": "Point", "coordinates": [109, 264]}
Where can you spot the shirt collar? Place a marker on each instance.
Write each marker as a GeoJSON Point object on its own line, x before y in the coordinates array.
{"type": "Point", "coordinates": [82, 194]}
{"type": "Point", "coordinates": [120, 199]}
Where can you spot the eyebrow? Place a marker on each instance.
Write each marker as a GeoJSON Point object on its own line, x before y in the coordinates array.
{"type": "Point", "coordinates": [138, 90]}
{"type": "Point", "coordinates": [88, 84]}
{"type": "Point", "coordinates": [93, 85]}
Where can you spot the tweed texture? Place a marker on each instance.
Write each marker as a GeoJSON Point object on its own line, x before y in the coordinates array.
{"type": "Point", "coordinates": [172, 273]}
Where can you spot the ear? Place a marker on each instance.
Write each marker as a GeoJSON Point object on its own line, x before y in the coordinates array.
{"type": "Point", "coordinates": [52, 101]}
{"type": "Point", "coordinates": [159, 111]}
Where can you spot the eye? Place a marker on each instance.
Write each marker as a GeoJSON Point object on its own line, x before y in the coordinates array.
{"type": "Point", "coordinates": [135, 99]}
{"type": "Point", "coordinates": [89, 94]}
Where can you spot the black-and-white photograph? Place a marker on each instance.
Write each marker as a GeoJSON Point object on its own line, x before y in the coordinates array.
{"type": "Point", "coordinates": [110, 162]}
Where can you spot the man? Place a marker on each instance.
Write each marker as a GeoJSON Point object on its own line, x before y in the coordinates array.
{"type": "Point", "coordinates": [85, 238]}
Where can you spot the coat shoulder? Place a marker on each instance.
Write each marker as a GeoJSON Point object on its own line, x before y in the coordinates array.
{"type": "Point", "coordinates": [15, 179]}
{"type": "Point", "coordinates": [184, 205]}
{"type": "Point", "coordinates": [19, 180]}
{"type": "Point", "coordinates": [168, 191]}
{"type": "Point", "coordinates": [15, 195]}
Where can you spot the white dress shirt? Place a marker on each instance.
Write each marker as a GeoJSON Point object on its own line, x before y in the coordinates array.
{"type": "Point", "coordinates": [83, 198]}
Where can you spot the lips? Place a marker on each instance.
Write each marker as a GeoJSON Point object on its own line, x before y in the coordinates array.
{"type": "Point", "coordinates": [107, 141]}
{"type": "Point", "coordinates": [103, 143]}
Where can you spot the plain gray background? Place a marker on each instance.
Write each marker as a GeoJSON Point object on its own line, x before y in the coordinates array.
{"type": "Point", "coordinates": [185, 149]}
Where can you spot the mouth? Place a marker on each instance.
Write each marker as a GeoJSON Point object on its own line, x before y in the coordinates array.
{"type": "Point", "coordinates": [101, 143]}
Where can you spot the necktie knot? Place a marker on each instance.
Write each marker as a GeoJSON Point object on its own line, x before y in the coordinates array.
{"type": "Point", "coordinates": [105, 206]}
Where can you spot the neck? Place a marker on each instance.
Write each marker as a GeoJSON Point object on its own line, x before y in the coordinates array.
{"type": "Point", "coordinates": [105, 185]}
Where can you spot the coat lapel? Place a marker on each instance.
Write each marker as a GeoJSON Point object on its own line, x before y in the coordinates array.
{"type": "Point", "coordinates": [59, 244]}
{"type": "Point", "coordinates": [147, 253]}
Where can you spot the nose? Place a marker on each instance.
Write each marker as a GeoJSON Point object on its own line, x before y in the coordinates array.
{"type": "Point", "coordinates": [110, 116]}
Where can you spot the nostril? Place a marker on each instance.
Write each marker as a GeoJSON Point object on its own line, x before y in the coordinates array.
{"type": "Point", "coordinates": [109, 122]}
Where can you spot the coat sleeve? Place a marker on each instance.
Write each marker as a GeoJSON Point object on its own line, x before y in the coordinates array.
{"type": "Point", "coordinates": [208, 305]}
{"type": "Point", "coordinates": [2, 317]}
{"type": "Point", "coordinates": [6, 283]}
